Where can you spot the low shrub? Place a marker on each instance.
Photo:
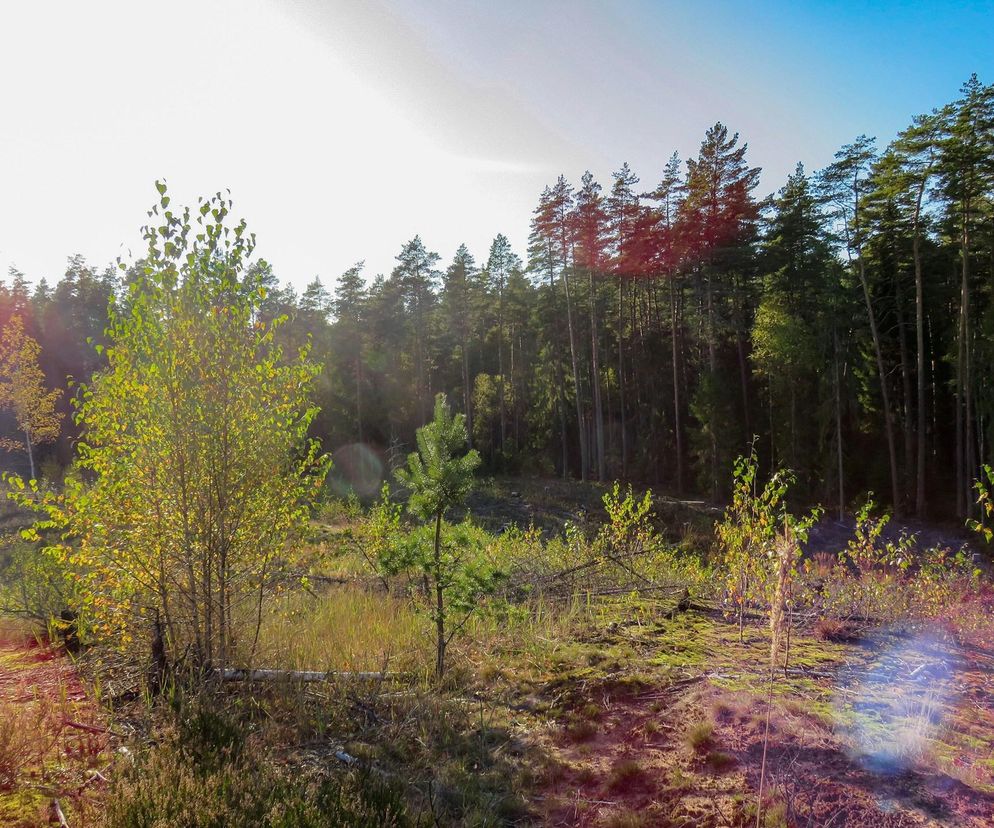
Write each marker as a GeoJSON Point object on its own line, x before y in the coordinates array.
{"type": "Point", "coordinates": [204, 774]}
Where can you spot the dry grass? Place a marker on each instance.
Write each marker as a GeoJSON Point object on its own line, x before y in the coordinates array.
{"type": "Point", "coordinates": [18, 742]}
{"type": "Point", "coordinates": [16, 632]}
{"type": "Point", "coordinates": [699, 736]}
{"type": "Point", "coordinates": [626, 774]}
{"type": "Point", "coordinates": [343, 629]}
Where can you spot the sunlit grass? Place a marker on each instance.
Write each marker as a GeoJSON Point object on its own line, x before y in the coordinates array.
{"type": "Point", "coordinates": [343, 628]}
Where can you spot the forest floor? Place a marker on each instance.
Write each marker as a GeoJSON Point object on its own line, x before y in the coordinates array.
{"type": "Point", "coordinates": [613, 713]}
{"type": "Point", "coordinates": [662, 723]}
{"type": "Point", "coordinates": [53, 739]}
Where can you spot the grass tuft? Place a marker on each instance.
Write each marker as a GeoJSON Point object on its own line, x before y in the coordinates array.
{"type": "Point", "coordinates": [700, 736]}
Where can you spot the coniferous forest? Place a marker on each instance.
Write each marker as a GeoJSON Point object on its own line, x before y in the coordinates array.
{"type": "Point", "coordinates": [659, 323]}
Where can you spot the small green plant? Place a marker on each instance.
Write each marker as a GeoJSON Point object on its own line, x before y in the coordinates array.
{"type": "Point", "coordinates": [439, 476]}
{"type": "Point", "coordinates": [747, 533]}
{"type": "Point", "coordinates": [986, 503]}
{"type": "Point", "coordinates": [628, 530]}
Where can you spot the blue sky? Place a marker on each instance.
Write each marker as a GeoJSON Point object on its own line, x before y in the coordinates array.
{"type": "Point", "coordinates": [344, 128]}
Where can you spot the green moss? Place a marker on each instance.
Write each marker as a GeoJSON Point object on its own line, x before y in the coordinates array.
{"type": "Point", "coordinates": [23, 808]}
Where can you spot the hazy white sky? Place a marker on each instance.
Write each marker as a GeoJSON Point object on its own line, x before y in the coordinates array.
{"type": "Point", "coordinates": [345, 128]}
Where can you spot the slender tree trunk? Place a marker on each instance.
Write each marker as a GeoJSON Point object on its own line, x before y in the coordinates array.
{"type": "Point", "coordinates": [467, 393]}
{"type": "Point", "coordinates": [960, 487]}
{"type": "Point", "coordinates": [31, 456]}
{"type": "Point", "coordinates": [838, 424]}
{"type": "Point", "coordinates": [884, 393]}
{"type": "Point", "coordinates": [743, 366]}
{"type": "Point", "coordinates": [964, 418]}
{"type": "Point", "coordinates": [909, 429]}
{"type": "Point", "coordinates": [358, 396]}
{"type": "Point", "coordinates": [969, 459]}
{"type": "Point", "coordinates": [500, 369]}
{"type": "Point", "coordinates": [439, 601]}
{"type": "Point", "coordinates": [920, 344]}
{"type": "Point", "coordinates": [577, 388]}
{"type": "Point", "coordinates": [677, 423]}
{"type": "Point", "coordinates": [561, 395]}
{"type": "Point", "coordinates": [621, 374]}
{"type": "Point", "coordinates": [713, 370]}
{"type": "Point", "coordinates": [596, 381]}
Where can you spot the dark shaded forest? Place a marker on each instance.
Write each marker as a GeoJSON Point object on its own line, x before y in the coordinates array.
{"type": "Point", "coordinates": [657, 326]}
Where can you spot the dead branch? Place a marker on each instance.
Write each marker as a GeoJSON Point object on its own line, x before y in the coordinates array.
{"type": "Point", "coordinates": [93, 728]}
{"type": "Point", "coordinates": [59, 814]}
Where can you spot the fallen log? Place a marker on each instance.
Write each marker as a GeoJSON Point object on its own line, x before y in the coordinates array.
{"type": "Point", "coordinates": [265, 674]}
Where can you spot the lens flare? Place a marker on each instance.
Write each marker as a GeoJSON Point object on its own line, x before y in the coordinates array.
{"type": "Point", "coordinates": [892, 709]}
{"type": "Point", "coordinates": [358, 469]}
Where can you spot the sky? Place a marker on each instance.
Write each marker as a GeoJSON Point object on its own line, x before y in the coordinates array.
{"type": "Point", "coordinates": [342, 129]}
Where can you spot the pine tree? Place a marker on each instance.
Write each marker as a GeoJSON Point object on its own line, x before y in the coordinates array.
{"type": "Point", "coordinates": [590, 256]}
{"type": "Point", "coordinates": [349, 308]}
{"type": "Point", "coordinates": [417, 276]}
{"type": "Point", "coordinates": [718, 226]}
{"type": "Point", "coordinates": [669, 198]}
{"type": "Point", "coordinates": [459, 302]}
{"type": "Point", "coordinates": [623, 213]}
{"type": "Point", "coordinates": [439, 477]}
{"type": "Point", "coordinates": [967, 166]}
{"type": "Point", "coordinates": [501, 262]}
{"type": "Point", "coordinates": [845, 184]}
{"type": "Point", "coordinates": [799, 300]}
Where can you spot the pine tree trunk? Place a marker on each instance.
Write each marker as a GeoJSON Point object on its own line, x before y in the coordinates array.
{"type": "Point", "coordinates": [909, 429]}
{"type": "Point", "coordinates": [561, 394]}
{"type": "Point", "coordinates": [467, 393]}
{"type": "Point", "coordinates": [621, 375]}
{"type": "Point", "coordinates": [920, 344]}
{"type": "Point", "coordinates": [581, 429]}
{"type": "Point", "coordinates": [677, 424]}
{"type": "Point", "coordinates": [713, 370]}
{"type": "Point", "coordinates": [596, 382]}
{"type": "Point", "coordinates": [964, 419]}
{"type": "Point", "coordinates": [969, 456]}
{"type": "Point", "coordinates": [439, 601]}
{"type": "Point", "coordinates": [358, 396]}
{"type": "Point", "coordinates": [884, 393]}
{"type": "Point", "coordinates": [838, 425]}
{"type": "Point", "coordinates": [500, 371]}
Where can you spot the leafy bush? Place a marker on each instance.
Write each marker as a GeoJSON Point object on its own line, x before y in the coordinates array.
{"type": "Point", "coordinates": [877, 578]}
{"type": "Point", "coordinates": [986, 503]}
{"type": "Point", "coordinates": [35, 584]}
{"type": "Point", "coordinates": [748, 532]}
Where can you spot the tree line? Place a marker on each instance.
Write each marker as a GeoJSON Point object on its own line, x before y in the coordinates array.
{"type": "Point", "coordinates": [655, 330]}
